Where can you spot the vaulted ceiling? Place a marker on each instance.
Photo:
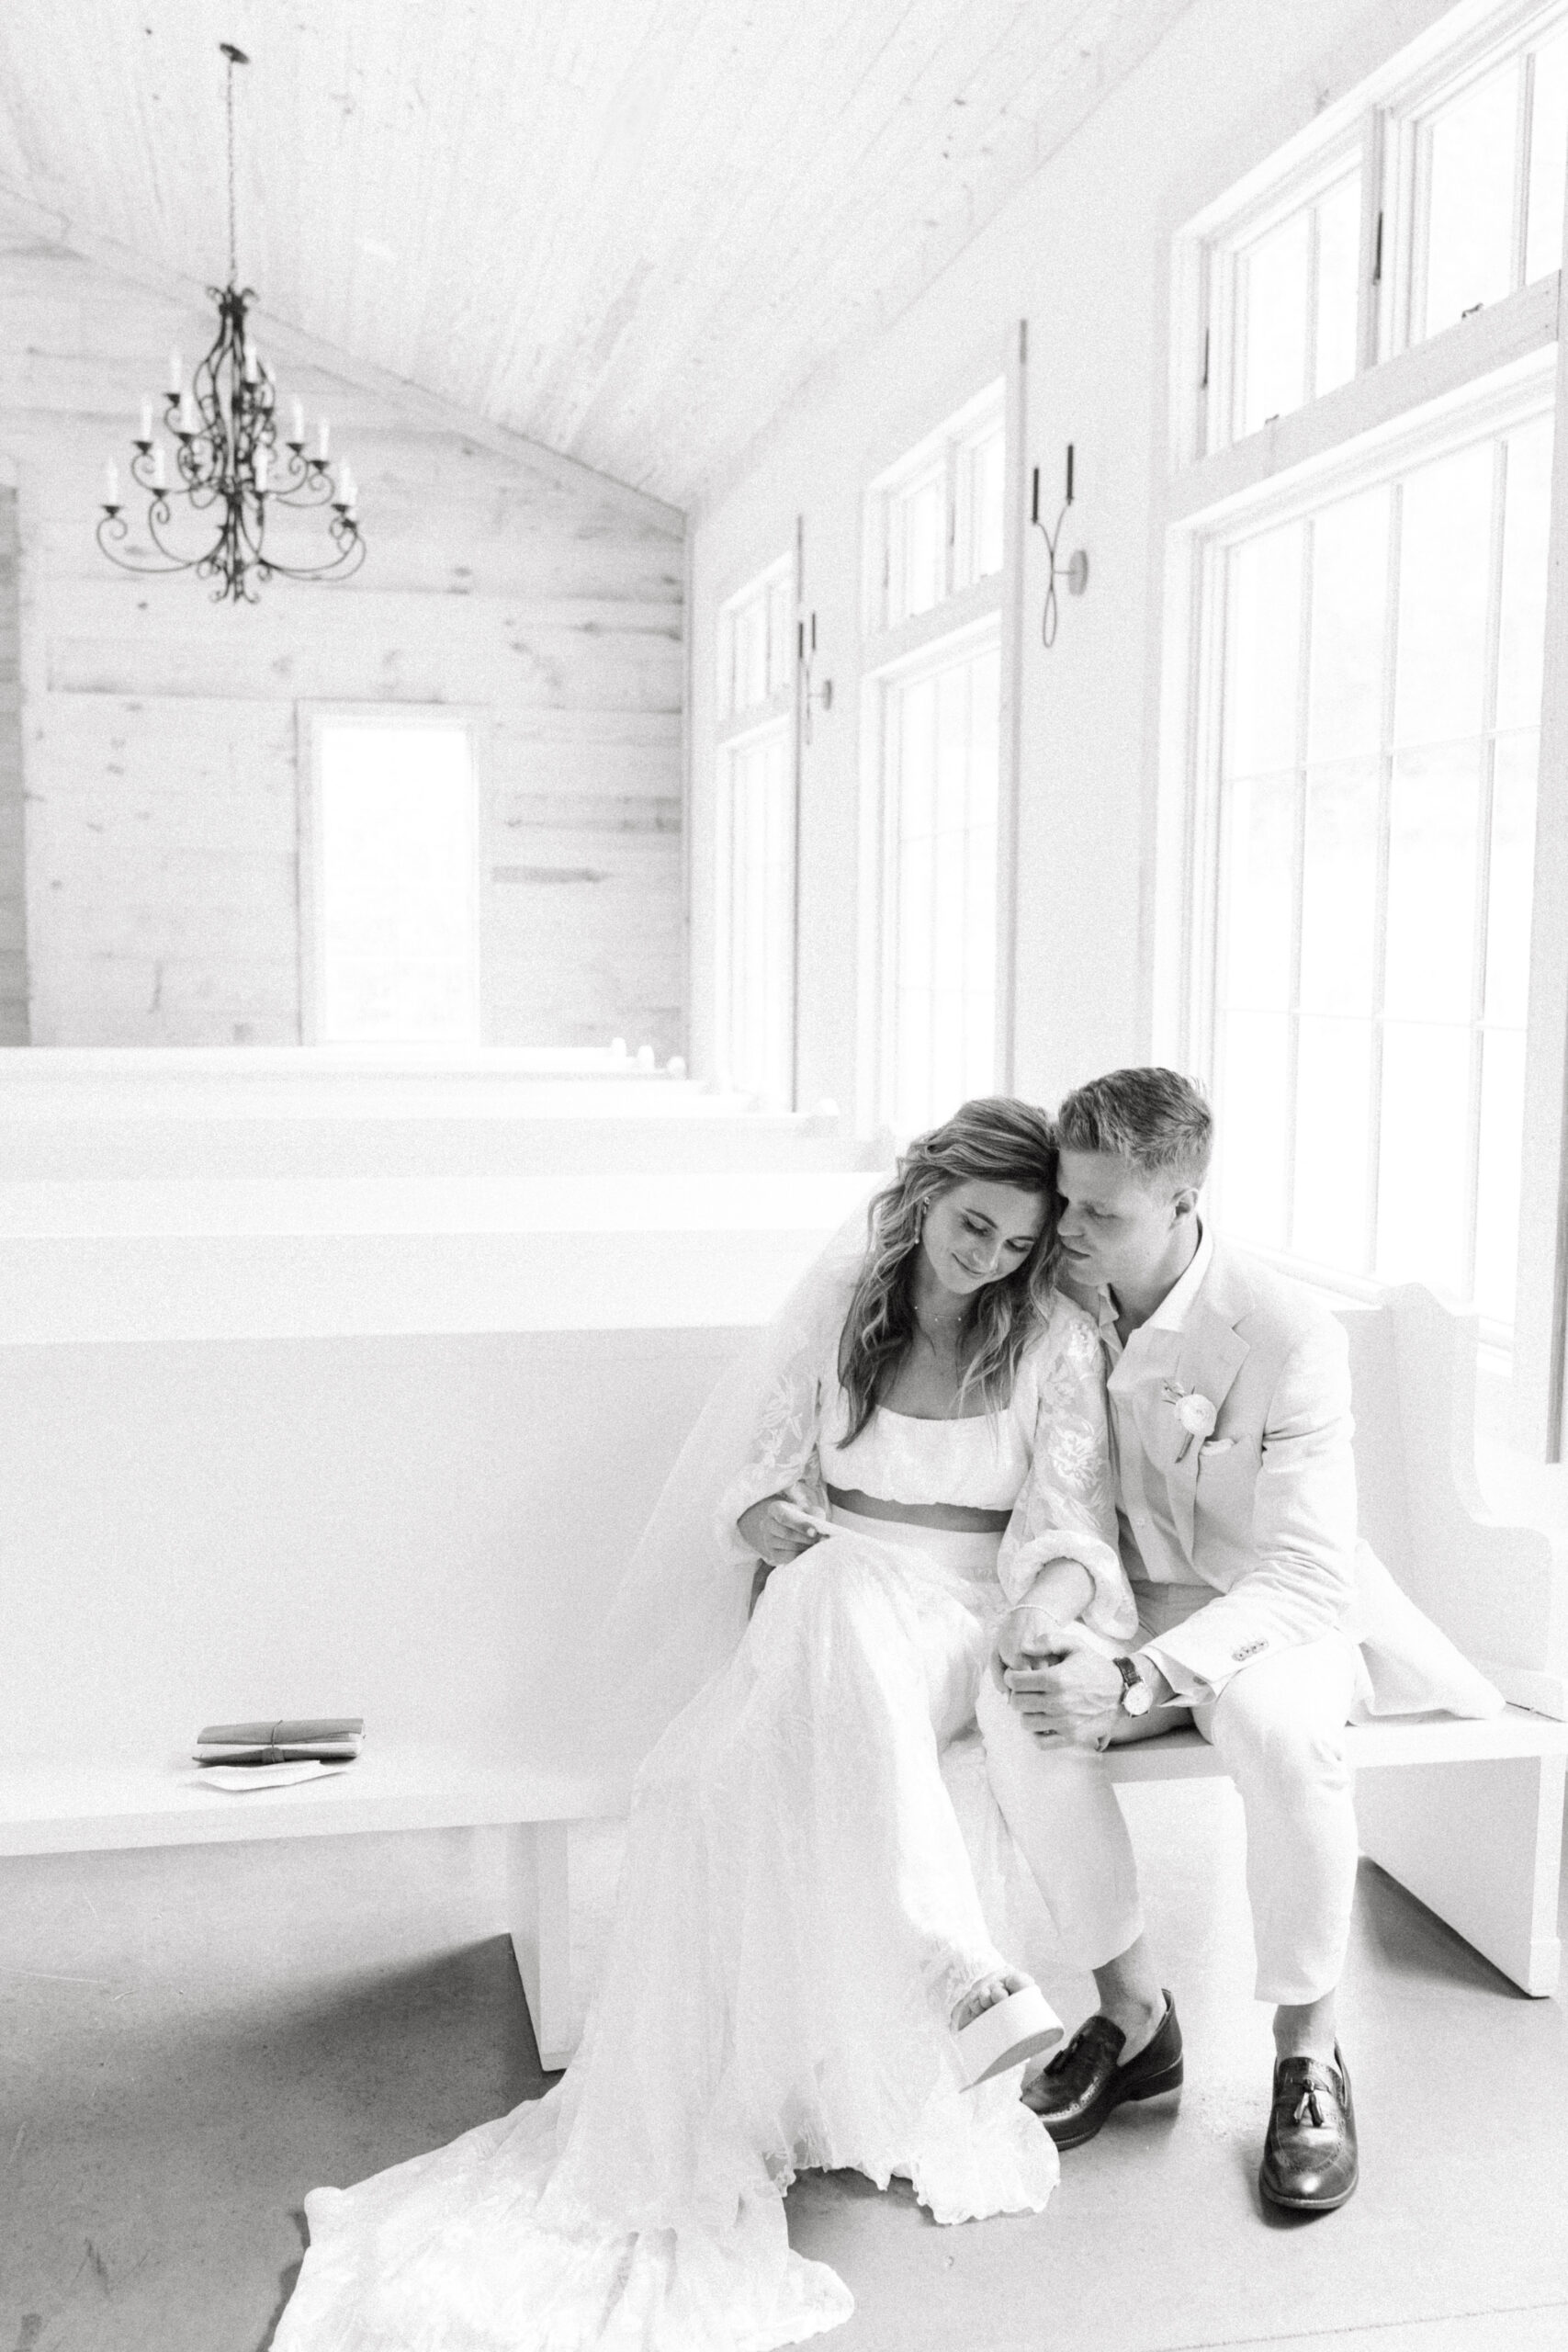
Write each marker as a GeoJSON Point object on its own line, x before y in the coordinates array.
{"type": "Point", "coordinates": [628, 229]}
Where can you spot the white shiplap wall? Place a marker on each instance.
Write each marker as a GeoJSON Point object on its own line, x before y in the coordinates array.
{"type": "Point", "coordinates": [159, 729]}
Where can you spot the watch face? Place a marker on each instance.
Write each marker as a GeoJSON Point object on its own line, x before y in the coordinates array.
{"type": "Point", "coordinates": [1138, 1700]}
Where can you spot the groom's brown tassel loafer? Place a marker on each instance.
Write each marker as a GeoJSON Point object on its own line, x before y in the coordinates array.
{"type": "Point", "coordinates": [1083, 2082]}
{"type": "Point", "coordinates": [1310, 2163]}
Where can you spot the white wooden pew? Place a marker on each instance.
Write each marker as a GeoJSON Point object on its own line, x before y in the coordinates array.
{"type": "Point", "coordinates": [1468, 1815]}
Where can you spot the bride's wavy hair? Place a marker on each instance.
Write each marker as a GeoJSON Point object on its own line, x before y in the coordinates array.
{"type": "Point", "coordinates": [992, 1140]}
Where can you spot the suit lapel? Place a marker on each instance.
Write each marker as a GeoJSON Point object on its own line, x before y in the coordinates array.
{"type": "Point", "coordinates": [1211, 1352]}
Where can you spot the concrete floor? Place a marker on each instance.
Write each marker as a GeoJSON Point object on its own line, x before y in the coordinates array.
{"type": "Point", "coordinates": [193, 2039]}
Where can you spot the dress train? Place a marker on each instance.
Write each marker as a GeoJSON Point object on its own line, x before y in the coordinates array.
{"type": "Point", "coordinates": [796, 1920]}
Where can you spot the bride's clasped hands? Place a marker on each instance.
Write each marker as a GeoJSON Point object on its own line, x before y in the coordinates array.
{"type": "Point", "coordinates": [803, 1969]}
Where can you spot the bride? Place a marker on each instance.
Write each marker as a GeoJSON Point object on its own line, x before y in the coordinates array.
{"type": "Point", "coordinates": [801, 1971]}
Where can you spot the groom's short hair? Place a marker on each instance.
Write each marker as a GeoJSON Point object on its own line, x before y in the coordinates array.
{"type": "Point", "coordinates": [1154, 1119]}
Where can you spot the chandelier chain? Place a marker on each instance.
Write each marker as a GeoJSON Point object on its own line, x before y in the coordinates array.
{"type": "Point", "coordinates": [234, 243]}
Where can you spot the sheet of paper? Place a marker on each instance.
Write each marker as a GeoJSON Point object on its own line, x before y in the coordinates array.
{"type": "Point", "coordinates": [243, 1777]}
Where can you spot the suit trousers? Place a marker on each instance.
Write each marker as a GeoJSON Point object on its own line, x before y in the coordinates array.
{"type": "Point", "coordinates": [1279, 1724]}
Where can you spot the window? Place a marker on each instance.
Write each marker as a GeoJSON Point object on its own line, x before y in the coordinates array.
{"type": "Point", "coordinates": [940, 739]}
{"type": "Point", "coordinates": [1484, 167]}
{"type": "Point", "coordinates": [1432, 194]}
{"type": "Point", "coordinates": [933, 1012]}
{"type": "Point", "coordinates": [1295, 291]}
{"type": "Point", "coordinates": [936, 517]}
{"type": "Point", "coordinates": [395, 882]}
{"type": "Point", "coordinates": [1381, 673]}
{"type": "Point", "coordinates": [757, 915]}
{"type": "Point", "coordinates": [755, 839]}
{"type": "Point", "coordinates": [755, 629]}
{"type": "Point", "coordinates": [1347, 884]}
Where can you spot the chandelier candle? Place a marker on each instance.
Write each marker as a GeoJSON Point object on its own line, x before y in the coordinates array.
{"type": "Point", "coordinates": [230, 475]}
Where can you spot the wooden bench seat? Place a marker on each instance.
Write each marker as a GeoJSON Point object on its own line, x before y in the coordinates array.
{"type": "Point", "coordinates": [94, 1807]}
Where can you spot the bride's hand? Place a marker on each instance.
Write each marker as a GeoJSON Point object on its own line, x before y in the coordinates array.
{"type": "Point", "coordinates": [781, 1527]}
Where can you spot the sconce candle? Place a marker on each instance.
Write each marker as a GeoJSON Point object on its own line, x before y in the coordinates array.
{"type": "Point", "coordinates": [1075, 572]}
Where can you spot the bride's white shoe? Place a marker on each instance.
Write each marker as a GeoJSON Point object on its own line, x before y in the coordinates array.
{"type": "Point", "coordinates": [1011, 2030]}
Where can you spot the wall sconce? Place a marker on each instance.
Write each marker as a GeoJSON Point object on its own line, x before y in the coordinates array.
{"type": "Point", "coordinates": [1075, 572]}
{"type": "Point", "coordinates": [805, 655]}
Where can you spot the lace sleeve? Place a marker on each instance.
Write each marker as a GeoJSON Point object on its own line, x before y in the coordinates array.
{"type": "Point", "coordinates": [783, 1449]}
{"type": "Point", "coordinates": [1068, 1508]}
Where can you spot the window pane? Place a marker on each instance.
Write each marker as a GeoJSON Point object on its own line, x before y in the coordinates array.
{"type": "Point", "coordinates": [1526, 517]}
{"type": "Point", "coordinates": [1339, 283]}
{"type": "Point", "coordinates": [1498, 1192]}
{"type": "Point", "coordinates": [1444, 574]}
{"type": "Point", "coordinates": [1272, 323]}
{"type": "Point", "coordinates": [1253, 1114]}
{"type": "Point", "coordinates": [1339, 890]}
{"type": "Point", "coordinates": [1333, 1110]}
{"type": "Point", "coordinates": [1257, 887]}
{"type": "Point", "coordinates": [942, 734]}
{"type": "Point", "coordinates": [1262, 652]}
{"type": "Point", "coordinates": [1424, 1158]}
{"type": "Point", "coordinates": [981, 535]}
{"type": "Point", "coordinates": [1509, 880]}
{"type": "Point", "coordinates": [759, 917]}
{"type": "Point", "coordinates": [1469, 243]}
{"type": "Point", "coordinates": [1433, 807]}
{"type": "Point", "coordinates": [400, 913]}
{"type": "Point", "coordinates": [1549, 158]}
{"type": "Point", "coordinates": [1350, 584]}
{"type": "Point", "coordinates": [921, 533]}
{"type": "Point", "coordinates": [781, 635]}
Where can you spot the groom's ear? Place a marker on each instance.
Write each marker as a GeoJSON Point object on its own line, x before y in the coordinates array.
{"type": "Point", "coordinates": [1185, 1202]}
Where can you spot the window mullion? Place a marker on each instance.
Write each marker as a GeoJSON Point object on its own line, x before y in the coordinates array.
{"type": "Point", "coordinates": [1298, 888]}
{"type": "Point", "coordinates": [1486, 783]}
{"type": "Point", "coordinates": [1384, 820]}
{"type": "Point", "coordinates": [1524, 111]}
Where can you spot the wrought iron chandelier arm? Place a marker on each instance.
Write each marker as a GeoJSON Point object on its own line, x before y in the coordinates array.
{"type": "Point", "coordinates": [112, 526]}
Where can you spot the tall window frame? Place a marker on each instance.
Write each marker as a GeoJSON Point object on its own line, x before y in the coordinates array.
{"type": "Point", "coordinates": [973, 458]}
{"type": "Point", "coordinates": [1406, 394]}
{"type": "Point", "coordinates": [756, 839]}
{"type": "Point", "coordinates": [316, 722]}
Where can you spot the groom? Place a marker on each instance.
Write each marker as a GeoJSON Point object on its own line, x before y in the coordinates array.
{"type": "Point", "coordinates": [1229, 1402]}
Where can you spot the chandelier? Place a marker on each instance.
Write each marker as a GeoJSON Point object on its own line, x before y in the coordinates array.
{"type": "Point", "coordinates": [225, 465]}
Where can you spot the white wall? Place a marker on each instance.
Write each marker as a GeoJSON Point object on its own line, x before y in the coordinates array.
{"type": "Point", "coordinates": [417, 1529]}
{"type": "Point", "coordinates": [159, 731]}
{"type": "Point", "coordinates": [13, 877]}
{"type": "Point", "coordinates": [1082, 252]}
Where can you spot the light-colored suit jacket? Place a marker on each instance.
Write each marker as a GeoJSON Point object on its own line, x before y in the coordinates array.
{"type": "Point", "coordinates": [1265, 1508]}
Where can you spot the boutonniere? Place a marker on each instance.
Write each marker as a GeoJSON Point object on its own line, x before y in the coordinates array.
{"type": "Point", "coordinates": [1195, 1417]}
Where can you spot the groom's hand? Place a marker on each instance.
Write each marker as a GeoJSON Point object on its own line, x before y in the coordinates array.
{"type": "Point", "coordinates": [1075, 1695]}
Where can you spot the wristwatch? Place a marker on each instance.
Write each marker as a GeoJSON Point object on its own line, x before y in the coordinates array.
{"type": "Point", "coordinates": [1137, 1696]}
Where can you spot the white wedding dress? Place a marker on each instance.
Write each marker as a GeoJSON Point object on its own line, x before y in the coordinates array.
{"type": "Point", "coordinates": [798, 1915]}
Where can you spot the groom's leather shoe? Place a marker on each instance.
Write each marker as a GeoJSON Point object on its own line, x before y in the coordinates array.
{"type": "Point", "coordinates": [1083, 2082]}
{"type": "Point", "coordinates": [1309, 2156]}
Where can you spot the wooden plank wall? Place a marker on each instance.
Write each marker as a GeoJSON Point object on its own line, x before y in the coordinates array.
{"type": "Point", "coordinates": [13, 880]}
{"type": "Point", "coordinates": [159, 731]}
